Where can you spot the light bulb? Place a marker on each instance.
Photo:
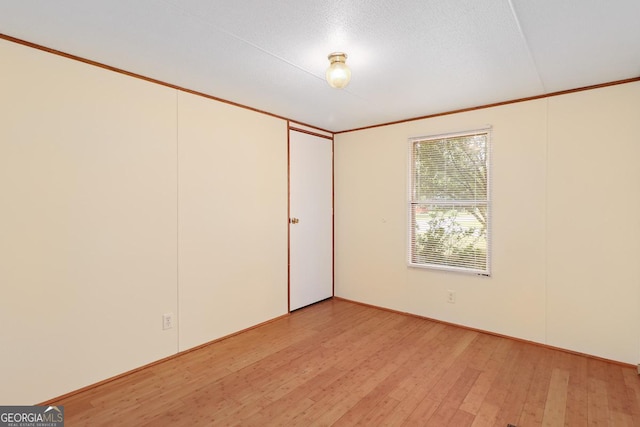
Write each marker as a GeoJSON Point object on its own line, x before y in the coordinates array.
{"type": "Point", "coordinates": [338, 74]}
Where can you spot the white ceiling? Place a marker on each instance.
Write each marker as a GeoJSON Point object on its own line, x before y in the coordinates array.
{"type": "Point", "coordinates": [409, 58]}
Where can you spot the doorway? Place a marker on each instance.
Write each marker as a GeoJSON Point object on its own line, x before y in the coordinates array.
{"type": "Point", "coordinates": [310, 217]}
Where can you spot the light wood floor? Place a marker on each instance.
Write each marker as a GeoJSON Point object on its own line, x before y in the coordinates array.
{"type": "Point", "coordinates": [339, 363]}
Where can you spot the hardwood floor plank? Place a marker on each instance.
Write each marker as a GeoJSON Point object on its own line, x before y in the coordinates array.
{"type": "Point", "coordinates": [619, 419]}
{"type": "Point", "coordinates": [438, 355]}
{"type": "Point", "coordinates": [619, 402]}
{"type": "Point", "coordinates": [279, 415]}
{"type": "Point", "coordinates": [632, 382]}
{"type": "Point", "coordinates": [487, 415]}
{"type": "Point", "coordinates": [376, 417]}
{"type": "Point", "coordinates": [521, 376]}
{"type": "Point", "coordinates": [344, 364]}
{"type": "Point", "coordinates": [499, 352]}
{"type": "Point", "coordinates": [398, 353]}
{"type": "Point", "coordinates": [556, 403]}
{"type": "Point", "coordinates": [451, 402]}
{"type": "Point", "coordinates": [401, 411]}
{"type": "Point", "coordinates": [345, 394]}
{"type": "Point", "coordinates": [598, 410]}
{"type": "Point", "coordinates": [449, 378]}
{"type": "Point", "coordinates": [576, 411]}
{"type": "Point", "coordinates": [422, 413]}
{"type": "Point", "coordinates": [461, 419]}
{"type": "Point", "coordinates": [533, 409]}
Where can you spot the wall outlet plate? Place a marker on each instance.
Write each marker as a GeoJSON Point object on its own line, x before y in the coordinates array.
{"type": "Point", "coordinates": [167, 321]}
{"type": "Point", "coordinates": [451, 297]}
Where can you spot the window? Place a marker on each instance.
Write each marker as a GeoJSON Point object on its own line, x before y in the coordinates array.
{"type": "Point", "coordinates": [449, 206]}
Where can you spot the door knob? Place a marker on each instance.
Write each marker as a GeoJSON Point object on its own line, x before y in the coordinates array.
{"type": "Point", "coordinates": [294, 220]}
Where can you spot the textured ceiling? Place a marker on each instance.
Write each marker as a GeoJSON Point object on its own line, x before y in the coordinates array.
{"type": "Point", "coordinates": [409, 58]}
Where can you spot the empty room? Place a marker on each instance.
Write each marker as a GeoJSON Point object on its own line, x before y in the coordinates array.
{"type": "Point", "coordinates": [320, 213]}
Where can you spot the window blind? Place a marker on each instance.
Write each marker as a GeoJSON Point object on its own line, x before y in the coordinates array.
{"type": "Point", "coordinates": [449, 205]}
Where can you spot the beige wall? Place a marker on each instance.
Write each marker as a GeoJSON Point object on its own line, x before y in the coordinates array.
{"type": "Point", "coordinates": [106, 182]}
{"type": "Point", "coordinates": [565, 232]}
{"type": "Point", "coordinates": [593, 227]}
{"type": "Point", "coordinates": [232, 265]}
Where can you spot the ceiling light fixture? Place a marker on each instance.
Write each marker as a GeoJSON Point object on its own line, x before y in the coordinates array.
{"type": "Point", "coordinates": [338, 74]}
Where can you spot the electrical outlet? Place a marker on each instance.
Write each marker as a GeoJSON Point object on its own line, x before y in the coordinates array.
{"type": "Point", "coordinates": [451, 297]}
{"type": "Point", "coordinates": [167, 321]}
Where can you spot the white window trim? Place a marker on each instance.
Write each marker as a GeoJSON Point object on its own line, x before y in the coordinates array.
{"type": "Point", "coordinates": [486, 272]}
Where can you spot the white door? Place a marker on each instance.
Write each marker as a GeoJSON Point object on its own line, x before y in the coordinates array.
{"type": "Point", "coordinates": [310, 219]}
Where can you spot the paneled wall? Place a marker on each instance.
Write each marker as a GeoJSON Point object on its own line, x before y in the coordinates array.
{"type": "Point", "coordinates": [593, 228]}
{"type": "Point", "coordinates": [566, 238]}
{"type": "Point", "coordinates": [122, 200]}
{"type": "Point", "coordinates": [233, 220]}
